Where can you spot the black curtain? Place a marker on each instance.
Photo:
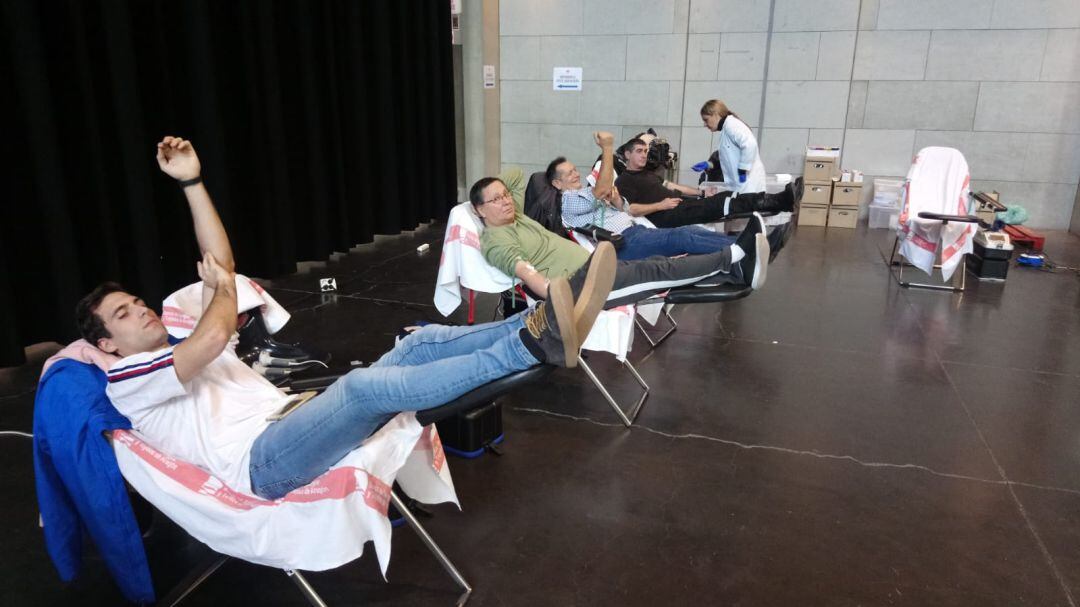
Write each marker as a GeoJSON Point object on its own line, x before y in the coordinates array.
{"type": "Point", "coordinates": [319, 124]}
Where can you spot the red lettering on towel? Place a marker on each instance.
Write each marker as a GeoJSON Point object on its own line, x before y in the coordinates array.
{"type": "Point", "coordinates": [464, 236]}
{"type": "Point", "coordinates": [333, 485]}
{"type": "Point", "coordinates": [377, 494]}
{"type": "Point", "coordinates": [175, 317]}
{"type": "Point", "coordinates": [438, 456]}
{"type": "Point", "coordinates": [337, 483]}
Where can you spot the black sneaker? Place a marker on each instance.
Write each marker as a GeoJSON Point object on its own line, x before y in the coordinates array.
{"type": "Point", "coordinates": [755, 247]}
{"type": "Point", "coordinates": [551, 325]}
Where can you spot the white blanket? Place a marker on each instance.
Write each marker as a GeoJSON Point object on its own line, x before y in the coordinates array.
{"type": "Point", "coordinates": [462, 264]}
{"type": "Point", "coordinates": [938, 182]}
{"type": "Point", "coordinates": [322, 525]}
{"type": "Point", "coordinates": [183, 308]}
{"type": "Point", "coordinates": [316, 527]}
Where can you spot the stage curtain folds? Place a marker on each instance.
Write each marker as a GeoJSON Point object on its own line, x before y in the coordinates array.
{"type": "Point", "coordinates": [319, 124]}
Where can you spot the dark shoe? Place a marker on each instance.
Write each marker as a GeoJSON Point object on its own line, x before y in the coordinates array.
{"type": "Point", "coordinates": [590, 295]}
{"type": "Point", "coordinates": [761, 202]}
{"type": "Point", "coordinates": [253, 336]}
{"type": "Point", "coordinates": [779, 237]}
{"type": "Point", "coordinates": [755, 247]}
{"type": "Point", "coordinates": [551, 325]}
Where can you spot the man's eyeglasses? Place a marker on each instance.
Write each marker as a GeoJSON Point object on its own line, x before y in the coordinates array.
{"type": "Point", "coordinates": [503, 196]}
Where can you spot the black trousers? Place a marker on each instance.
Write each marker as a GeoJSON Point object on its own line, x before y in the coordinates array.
{"type": "Point", "coordinates": [642, 278]}
{"type": "Point", "coordinates": [691, 211]}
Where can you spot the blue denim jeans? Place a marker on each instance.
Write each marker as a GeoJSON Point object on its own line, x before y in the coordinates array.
{"type": "Point", "coordinates": [431, 367]}
{"type": "Point", "coordinates": [642, 242]}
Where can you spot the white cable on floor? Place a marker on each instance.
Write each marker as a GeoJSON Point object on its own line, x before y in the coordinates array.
{"type": "Point", "coordinates": [15, 433]}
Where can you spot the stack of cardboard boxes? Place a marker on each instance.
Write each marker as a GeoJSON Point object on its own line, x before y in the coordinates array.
{"type": "Point", "coordinates": [829, 197]}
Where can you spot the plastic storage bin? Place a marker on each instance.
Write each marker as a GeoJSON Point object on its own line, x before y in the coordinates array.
{"type": "Point", "coordinates": [882, 216]}
{"type": "Point", "coordinates": [887, 191]}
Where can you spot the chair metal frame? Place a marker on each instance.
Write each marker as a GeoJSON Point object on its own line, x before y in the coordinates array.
{"type": "Point", "coordinates": [626, 414]}
{"type": "Point", "coordinates": [898, 275]}
{"type": "Point", "coordinates": [673, 326]}
{"type": "Point", "coordinates": [986, 202]}
{"type": "Point", "coordinates": [207, 568]}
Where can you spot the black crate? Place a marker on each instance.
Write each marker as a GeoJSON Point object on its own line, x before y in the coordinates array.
{"type": "Point", "coordinates": [987, 269]}
{"type": "Point", "coordinates": [992, 254]}
{"type": "Point", "coordinates": [470, 433]}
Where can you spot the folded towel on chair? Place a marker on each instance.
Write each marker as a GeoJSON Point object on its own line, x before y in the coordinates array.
{"type": "Point", "coordinates": [938, 182]}
{"type": "Point", "coordinates": [462, 263]}
{"type": "Point", "coordinates": [182, 309]}
{"type": "Point", "coordinates": [319, 526]}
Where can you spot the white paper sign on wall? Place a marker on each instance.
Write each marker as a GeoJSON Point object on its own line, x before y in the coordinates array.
{"type": "Point", "coordinates": [566, 78]}
{"type": "Point", "coordinates": [489, 76]}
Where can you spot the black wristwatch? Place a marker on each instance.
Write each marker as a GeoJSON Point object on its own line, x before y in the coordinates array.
{"type": "Point", "coordinates": [187, 182]}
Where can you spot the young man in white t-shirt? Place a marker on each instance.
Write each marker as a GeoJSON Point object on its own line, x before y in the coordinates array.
{"type": "Point", "coordinates": [196, 400]}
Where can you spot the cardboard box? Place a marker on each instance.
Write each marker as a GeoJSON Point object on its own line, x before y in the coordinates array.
{"type": "Point", "coordinates": [822, 163]}
{"type": "Point", "coordinates": [843, 217]}
{"type": "Point", "coordinates": [846, 193]}
{"type": "Point", "coordinates": [819, 168]}
{"type": "Point", "coordinates": [813, 215]}
{"type": "Point", "coordinates": [816, 192]}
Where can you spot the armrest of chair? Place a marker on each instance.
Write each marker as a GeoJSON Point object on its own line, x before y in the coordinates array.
{"type": "Point", "coordinates": [305, 382]}
{"type": "Point", "coordinates": [718, 294]}
{"type": "Point", "coordinates": [598, 234]}
{"type": "Point", "coordinates": [947, 218]}
{"type": "Point", "coordinates": [470, 400]}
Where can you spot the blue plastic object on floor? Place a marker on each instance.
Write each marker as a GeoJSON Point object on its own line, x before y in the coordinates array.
{"type": "Point", "coordinates": [1034, 261]}
{"type": "Point", "coordinates": [473, 454]}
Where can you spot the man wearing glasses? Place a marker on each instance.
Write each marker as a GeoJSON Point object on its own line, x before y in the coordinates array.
{"type": "Point", "coordinates": [519, 246]}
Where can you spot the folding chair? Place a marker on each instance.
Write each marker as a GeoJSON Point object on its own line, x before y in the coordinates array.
{"type": "Point", "coordinates": [937, 219]}
{"type": "Point", "coordinates": [88, 381]}
{"type": "Point", "coordinates": [476, 398]}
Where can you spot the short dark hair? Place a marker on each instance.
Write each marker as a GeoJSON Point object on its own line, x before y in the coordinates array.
{"type": "Point", "coordinates": [552, 172]}
{"type": "Point", "coordinates": [629, 145]}
{"type": "Point", "coordinates": [91, 326]}
{"type": "Point", "coordinates": [476, 192]}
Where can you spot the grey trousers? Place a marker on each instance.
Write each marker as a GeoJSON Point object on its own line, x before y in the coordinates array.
{"type": "Point", "coordinates": [640, 279]}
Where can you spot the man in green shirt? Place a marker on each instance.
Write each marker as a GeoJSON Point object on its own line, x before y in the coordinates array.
{"type": "Point", "coordinates": [519, 246]}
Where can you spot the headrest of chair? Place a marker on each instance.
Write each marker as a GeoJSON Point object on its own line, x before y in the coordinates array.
{"type": "Point", "coordinates": [543, 203]}
{"type": "Point", "coordinates": [539, 192]}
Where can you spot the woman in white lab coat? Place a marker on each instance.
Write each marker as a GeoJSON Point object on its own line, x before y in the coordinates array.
{"type": "Point", "coordinates": [737, 148]}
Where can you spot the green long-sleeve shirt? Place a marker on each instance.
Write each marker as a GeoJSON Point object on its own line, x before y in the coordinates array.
{"type": "Point", "coordinates": [527, 240]}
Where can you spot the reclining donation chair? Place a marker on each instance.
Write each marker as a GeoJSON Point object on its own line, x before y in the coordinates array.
{"type": "Point", "coordinates": [463, 265]}
{"type": "Point", "coordinates": [84, 451]}
{"type": "Point", "coordinates": [936, 218]}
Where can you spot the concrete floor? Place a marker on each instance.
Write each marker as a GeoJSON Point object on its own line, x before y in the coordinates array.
{"type": "Point", "coordinates": [831, 440]}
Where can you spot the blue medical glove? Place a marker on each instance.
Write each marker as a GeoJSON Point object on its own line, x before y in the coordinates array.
{"type": "Point", "coordinates": [701, 166]}
{"type": "Point", "coordinates": [742, 176]}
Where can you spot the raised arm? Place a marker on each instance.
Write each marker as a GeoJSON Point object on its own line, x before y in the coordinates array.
{"type": "Point", "coordinates": [215, 327]}
{"type": "Point", "coordinates": [604, 189]}
{"type": "Point", "coordinates": [177, 159]}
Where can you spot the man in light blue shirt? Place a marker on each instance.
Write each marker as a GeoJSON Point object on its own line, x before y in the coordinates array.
{"type": "Point", "coordinates": [603, 207]}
